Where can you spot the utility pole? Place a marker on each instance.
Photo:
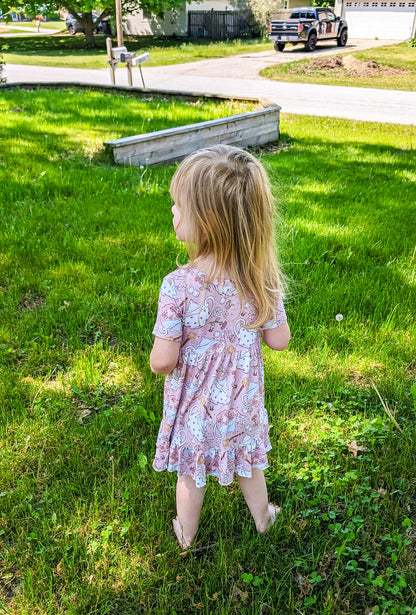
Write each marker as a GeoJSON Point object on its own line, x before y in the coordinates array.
{"type": "Point", "coordinates": [119, 24]}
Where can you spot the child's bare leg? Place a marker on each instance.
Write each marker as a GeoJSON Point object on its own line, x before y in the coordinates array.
{"type": "Point", "coordinates": [255, 493]}
{"type": "Point", "coordinates": [189, 500]}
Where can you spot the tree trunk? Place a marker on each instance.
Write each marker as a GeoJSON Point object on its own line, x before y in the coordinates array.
{"type": "Point", "coordinates": [89, 27]}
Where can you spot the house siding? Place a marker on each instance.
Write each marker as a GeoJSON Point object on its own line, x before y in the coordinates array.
{"type": "Point", "coordinates": [175, 22]}
{"type": "Point", "coordinates": [140, 24]}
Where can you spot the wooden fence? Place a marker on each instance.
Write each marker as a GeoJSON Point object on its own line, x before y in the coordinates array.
{"type": "Point", "coordinates": [220, 25]}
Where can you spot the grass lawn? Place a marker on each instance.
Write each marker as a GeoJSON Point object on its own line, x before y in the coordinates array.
{"type": "Point", "coordinates": [69, 51]}
{"type": "Point", "coordinates": [85, 523]}
{"type": "Point", "coordinates": [45, 25]}
{"type": "Point", "coordinates": [400, 57]}
{"type": "Point", "coordinates": [12, 31]}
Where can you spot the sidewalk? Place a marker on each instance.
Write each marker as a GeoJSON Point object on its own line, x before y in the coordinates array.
{"type": "Point", "coordinates": [27, 31]}
{"type": "Point", "coordinates": [366, 104]}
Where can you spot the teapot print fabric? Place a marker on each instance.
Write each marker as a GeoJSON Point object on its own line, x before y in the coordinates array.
{"type": "Point", "coordinates": [214, 420]}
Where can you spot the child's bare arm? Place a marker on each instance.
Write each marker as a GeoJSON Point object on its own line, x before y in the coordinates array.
{"type": "Point", "coordinates": [278, 338]}
{"type": "Point", "coordinates": [164, 355]}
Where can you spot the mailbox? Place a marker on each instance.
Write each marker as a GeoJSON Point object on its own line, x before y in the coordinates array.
{"type": "Point", "coordinates": [129, 58]}
{"type": "Point", "coordinates": [117, 51]}
{"type": "Point", "coordinates": [144, 57]}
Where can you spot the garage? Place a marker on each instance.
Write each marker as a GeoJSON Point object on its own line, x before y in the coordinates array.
{"type": "Point", "coordinates": [389, 20]}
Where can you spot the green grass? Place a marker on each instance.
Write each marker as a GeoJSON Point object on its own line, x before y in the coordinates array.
{"type": "Point", "coordinates": [84, 520]}
{"type": "Point", "coordinates": [12, 31]}
{"type": "Point", "coordinates": [106, 116]}
{"type": "Point", "coordinates": [70, 51]}
{"type": "Point", "coordinates": [57, 24]}
{"type": "Point", "coordinates": [400, 56]}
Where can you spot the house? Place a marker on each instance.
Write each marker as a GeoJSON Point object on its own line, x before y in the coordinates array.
{"type": "Point", "coordinates": [390, 19]}
{"type": "Point", "coordinates": [142, 23]}
{"type": "Point", "coordinates": [13, 15]}
{"type": "Point", "coordinates": [187, 21]}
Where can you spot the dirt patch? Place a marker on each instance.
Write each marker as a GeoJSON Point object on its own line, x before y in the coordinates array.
{"type": "Point", "coordinates": [31, 301]}
{"type": "Point", "coordinates": [331, 63]}
{"type": "Point", "coordinates": [345, 66]}
{"type": "Point", "coordinates": [274, 147]}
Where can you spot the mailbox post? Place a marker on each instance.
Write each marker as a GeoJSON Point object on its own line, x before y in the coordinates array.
{"type": "Point", "coordinates": [129, 58]}
{"type": "Point", "coordinates": [113, 58]}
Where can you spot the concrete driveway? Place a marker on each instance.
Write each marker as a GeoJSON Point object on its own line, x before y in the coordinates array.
{"type": "Point", "coordinates": [248, 65]}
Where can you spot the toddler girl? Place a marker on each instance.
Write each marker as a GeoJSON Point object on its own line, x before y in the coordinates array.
{"type": "Point", "coordinates": [211, 318]}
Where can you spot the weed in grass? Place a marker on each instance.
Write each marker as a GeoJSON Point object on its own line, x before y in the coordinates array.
{"type": "Point", "coordinates": [84, 521]}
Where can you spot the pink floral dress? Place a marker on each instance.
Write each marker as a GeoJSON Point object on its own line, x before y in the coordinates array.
{"type": "Point", "coordinates": [214, 419]}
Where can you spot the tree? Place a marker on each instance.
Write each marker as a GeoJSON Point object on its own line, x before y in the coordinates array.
{"type": "Point", "coordinates": [322, 3]}
{"type": "Point", "coordinates": [262, 11]}
{"type": "Point", "coordinates": [82, 10]}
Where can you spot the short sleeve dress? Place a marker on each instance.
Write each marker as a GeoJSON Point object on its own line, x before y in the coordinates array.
{"type": "Point", "coordinates": [214, 419]}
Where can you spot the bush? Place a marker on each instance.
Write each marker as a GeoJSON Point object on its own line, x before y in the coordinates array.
{"type": "Point", "coordinates": [262, 11]}
{"type": "Point", "coordinates": [412, 42]}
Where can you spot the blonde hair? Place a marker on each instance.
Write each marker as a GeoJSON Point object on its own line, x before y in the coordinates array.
{"type": "Point", "coordinates": [224, 197]}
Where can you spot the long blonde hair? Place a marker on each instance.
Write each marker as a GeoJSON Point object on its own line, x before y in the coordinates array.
{"type": "Point", "coordinates": [224, 197]}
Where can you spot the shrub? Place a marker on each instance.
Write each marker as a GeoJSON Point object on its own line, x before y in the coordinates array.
{"type": "Point", "coordinates": [412, 42]}
{"type": "Point", "coordinates": [262, 11]}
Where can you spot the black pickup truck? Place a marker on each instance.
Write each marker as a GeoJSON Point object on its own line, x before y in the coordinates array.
{"type": "Point", "coordinates": [308, 25]}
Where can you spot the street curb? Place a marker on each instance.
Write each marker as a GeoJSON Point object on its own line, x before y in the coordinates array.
{"type": "Point", "coordinates": [32, 85]}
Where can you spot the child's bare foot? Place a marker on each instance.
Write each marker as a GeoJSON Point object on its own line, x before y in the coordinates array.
{"type": "Point", "coordinates": [273, 512]}
{"type": "Point", "coordinates": [184, 541]}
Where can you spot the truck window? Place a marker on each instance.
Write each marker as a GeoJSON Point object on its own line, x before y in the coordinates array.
{"type": "Point", "coordinates": [294, 15]}
{"type": "Point", "coordinates": [310, 15]}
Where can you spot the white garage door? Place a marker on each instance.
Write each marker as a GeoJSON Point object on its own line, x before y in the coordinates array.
{"type": "Point", "coordinates": [392, 20]}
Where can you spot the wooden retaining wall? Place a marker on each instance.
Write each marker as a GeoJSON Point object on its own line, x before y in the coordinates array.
{"type": "Point", "coordinates": [173, 144]}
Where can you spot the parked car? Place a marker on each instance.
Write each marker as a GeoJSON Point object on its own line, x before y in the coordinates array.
{"type": "Point", "coordinates": [73, 25]}
{"type": "Point", "coordinates": [308, 25]}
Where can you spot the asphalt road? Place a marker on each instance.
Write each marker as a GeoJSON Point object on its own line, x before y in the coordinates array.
{"type": "Point", "coordinates": [238, 76]}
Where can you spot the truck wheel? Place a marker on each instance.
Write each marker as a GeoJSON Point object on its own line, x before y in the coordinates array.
{"type": "Point", "coordinates": [71, 30]}
{"type": "Point", "coordinates": [279, 46]}
{"type": "Point", "coordinates": [342, 39]}
{"type": "Point", "coordinates": [311, 42]}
